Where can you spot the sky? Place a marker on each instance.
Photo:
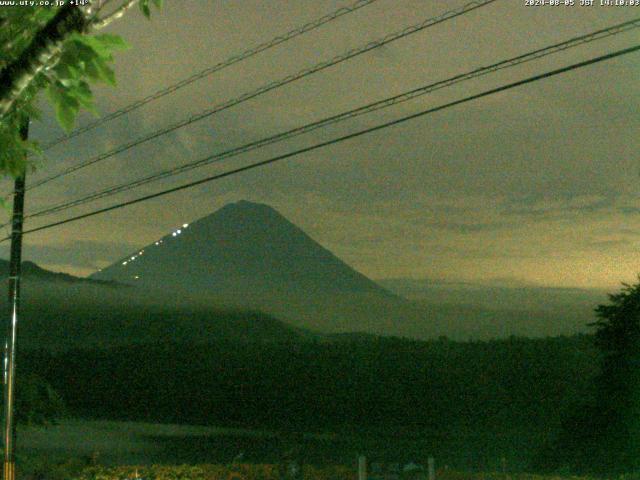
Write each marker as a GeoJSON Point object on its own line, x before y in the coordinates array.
{"type": "Point", "coordinates": [538, 184]}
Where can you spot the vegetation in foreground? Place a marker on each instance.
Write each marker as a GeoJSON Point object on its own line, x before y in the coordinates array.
{"type": "Point", "coordinates": [602, 435]}
{"type": "Point", "coordinates": [546, 405]}
{"type": "Point", "coordinates": [73, 471]}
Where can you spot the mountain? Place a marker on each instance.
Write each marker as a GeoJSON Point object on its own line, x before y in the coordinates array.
{"type": "Point", "coordinates": [243, 247]}
{"type": "Point", "coordinates": [247, 255]}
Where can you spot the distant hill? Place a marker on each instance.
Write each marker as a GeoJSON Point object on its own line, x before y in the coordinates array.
{"type": "Point", "coordinates": [508, 304]}
{"type": "Point", "coordinates": [60, 311]}
{"type": "Point", "coordinates": [505, 294]}
{"type": "Point", "coordinates": [32, 271]}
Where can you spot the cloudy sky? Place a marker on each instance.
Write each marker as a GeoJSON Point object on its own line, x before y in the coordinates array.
{"type": "Point", "coordinates": [539, 183]}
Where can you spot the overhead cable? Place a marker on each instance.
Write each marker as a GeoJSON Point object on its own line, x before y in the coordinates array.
{"type": "Point", "coordinates": [359, 133]}
{"type": "Point", "coordinates": [213, 69]}
{"type": "Point", "coordinates": [269, 87]}
{"type": "Point", "coordinates": [371, 107]}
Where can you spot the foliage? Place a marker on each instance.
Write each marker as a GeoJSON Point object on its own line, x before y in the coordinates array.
{"type": "Point", "coordinates": [53, 470]}
{"type": "Point", "coordinates": [146, 8]}
{"type": "Point", "coordinates": [82, 59]}
{"type": "Point", "coordinates": [477, 401]}
{"type": "Point", "coordinates": [603, 435]}
{"type": "Point", "coordinates": [13, 148]}
{"type": "Point", "coordinates": [210, 472]}
{"type": "Point", "coordinates": [19, 26]}
{"type": "Point", "coordinates": [269, 472]}
{"type": "Point", "coordinates": [618, 325]}
{"type": "Point", "coordinates": [618, 386]}
{"type": "Point", "coordinates": [457, 475]}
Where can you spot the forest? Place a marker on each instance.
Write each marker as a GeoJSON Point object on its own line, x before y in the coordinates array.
{"type": "Point", "coordinates": [470, 402]}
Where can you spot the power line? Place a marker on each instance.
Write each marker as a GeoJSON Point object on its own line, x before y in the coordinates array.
{"type": "Point", "coordinates": [213, 69]}
{"type": "Point", "coordinates": [271, 86]}
{"type": "Point", "coordinates": [340, 139]}
{"type": "Point", "coordinates": [394, 100]}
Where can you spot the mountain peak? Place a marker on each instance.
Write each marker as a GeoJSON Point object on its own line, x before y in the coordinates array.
{"type": "Point", "coordinates": [245, 208]}
{"type": "Point", "coordinates": [246, 205]}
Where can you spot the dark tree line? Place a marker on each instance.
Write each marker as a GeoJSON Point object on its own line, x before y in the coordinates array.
{"type": "Point", "coordinates": [475, 395]}
{"type": "Point", "coordinates": [602, 435]}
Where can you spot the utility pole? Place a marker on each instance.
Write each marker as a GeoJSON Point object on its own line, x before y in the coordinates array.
{"type": "Point", "coordinates": [9, 472]}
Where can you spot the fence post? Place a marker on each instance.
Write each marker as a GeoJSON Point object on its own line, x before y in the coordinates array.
{"type": "Point", "coordinates": [505, 474]}
{"type": "Point", "coordinates": [431, 469]}
{"type": "Point", "coordinates": [362, 467]}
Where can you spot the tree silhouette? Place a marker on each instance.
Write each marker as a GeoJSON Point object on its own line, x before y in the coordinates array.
{"type": "Point", "coordinates": [602, 435]}
{"type": "Point", "coordinates": [618, 385]}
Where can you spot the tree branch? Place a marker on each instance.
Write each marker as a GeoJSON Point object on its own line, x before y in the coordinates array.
{"type": "Point", "coordinates": [45, 48]}
{"type": "Point", "coordinates": [115, 15]}
{"type": "Point", "coordinates": [41, 53]}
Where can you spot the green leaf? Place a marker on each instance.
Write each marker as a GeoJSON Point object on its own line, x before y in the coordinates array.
{"type": "Point", "coordinates": [102, 45]}
{"type": "Point", "coordinates": [14, 149]}
{"type": "Point", "coordinates": [67, 111]}
{"type": "Point", "coordinates": [90, 47]}
{"type": "Point", "coordinates": [97, 69]}
{"type": "Point", "coordinates": [63, 70]}
{"type": "Point", "coordinates": [106, 72]}
{"type": "Point", "coordinates": [31, 111]}
{"type": "Point", "coordinates": [66, 106]}
{"type": "Point", "coordinates": [158, 4]}
{"type": "Point", "coordinates": [144, 7]}
{"type": "Point", "coordinates": [68, 82]}
{"type": "Point", "coordinates": [54, 93]}
{"type": "Point", "coordinates": [83, 94]}
{"type": "Point", "coordinates": [112, 42]}
{"type": "Point", "coordinates": [84, 52]}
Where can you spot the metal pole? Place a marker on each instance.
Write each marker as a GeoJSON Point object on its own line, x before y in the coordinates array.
{"type": "Point", "coordinates": [14, 305]}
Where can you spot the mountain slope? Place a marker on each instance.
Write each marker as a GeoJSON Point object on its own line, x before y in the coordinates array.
{"type": "Point", "coordinates": [246, 247]}
{"type": "Point", "coordinates": [32, 271]}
